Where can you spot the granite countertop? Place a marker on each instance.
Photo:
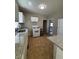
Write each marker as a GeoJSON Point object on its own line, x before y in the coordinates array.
{"type": "Point", "coordinates": [20, 41]}
{"type": "Point", "coordinates": [57, 40]}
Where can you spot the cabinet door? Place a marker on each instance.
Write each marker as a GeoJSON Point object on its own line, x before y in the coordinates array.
{"type": "Point", "coordinates": [60, 27]}
{"type": "Point", "coordinates": [59, 53]}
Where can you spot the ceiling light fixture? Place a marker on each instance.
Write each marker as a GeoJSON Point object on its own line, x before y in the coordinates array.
{"type": "Point", "coordinates": [42, 6]}
{"type": "Point", "coordinates": [30, 3]}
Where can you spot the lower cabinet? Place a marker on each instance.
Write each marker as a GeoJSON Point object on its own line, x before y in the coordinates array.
{"type": "Point", "coordinates": [21, 45]}
{"type": "Point", "coordinates": [58, 53]}
{"type": "Point", "coordinates": [24, 54]}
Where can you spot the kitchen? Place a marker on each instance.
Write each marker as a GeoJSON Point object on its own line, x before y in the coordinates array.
{"type": "Point", "coordinates": [31, 24]}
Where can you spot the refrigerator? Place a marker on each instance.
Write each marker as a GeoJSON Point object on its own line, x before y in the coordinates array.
{"type": "Point", "coordinates": [51, 27]}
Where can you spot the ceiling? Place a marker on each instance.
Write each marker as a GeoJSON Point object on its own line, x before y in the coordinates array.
{"type": "Point", "coordinates": [53, 6]}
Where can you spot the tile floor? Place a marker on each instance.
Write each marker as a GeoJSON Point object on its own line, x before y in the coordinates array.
{"type": "Point", "coordinates": [39, 48]}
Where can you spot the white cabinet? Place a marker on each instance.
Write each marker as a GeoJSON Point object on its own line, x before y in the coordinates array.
{"type": "Point", "coordinates": [21, 42]}
{"type": "Point", "coordinates": [21, 17]}
{"type": "Point", "coordinates": [59, 53]}
{"type": "Point", "coordinates": [34, 19]}
{"type": "Point", "coordinates": [60, 27]}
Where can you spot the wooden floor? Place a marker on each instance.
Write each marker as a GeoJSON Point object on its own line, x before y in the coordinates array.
{"type": "Point", "coordinates": [39, 48]}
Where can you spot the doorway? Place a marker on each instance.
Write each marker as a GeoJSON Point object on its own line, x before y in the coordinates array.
{"type": "Point", "coordinates": [44, 27]}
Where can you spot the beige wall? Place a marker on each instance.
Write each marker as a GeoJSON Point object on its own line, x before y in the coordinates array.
{"type": "Point", "coordinates": [28, 21]}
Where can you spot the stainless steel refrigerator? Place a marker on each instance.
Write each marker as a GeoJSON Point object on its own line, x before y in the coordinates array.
{"type": "Point", "coordinates": [51, 28]}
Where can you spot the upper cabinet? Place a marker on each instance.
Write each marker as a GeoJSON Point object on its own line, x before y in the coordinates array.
{"type": "Point", "coordinates": [16, 13]}
{"type": "Point", "coordinates": [60, 27]}
{"type": "Point", "coordinates": [34, 21]}
{"type": "Point", "coordinates": [21, 17]}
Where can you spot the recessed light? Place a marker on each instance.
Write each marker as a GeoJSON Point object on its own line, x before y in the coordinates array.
{"type": "Point", "coordinates": [42, 6]}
